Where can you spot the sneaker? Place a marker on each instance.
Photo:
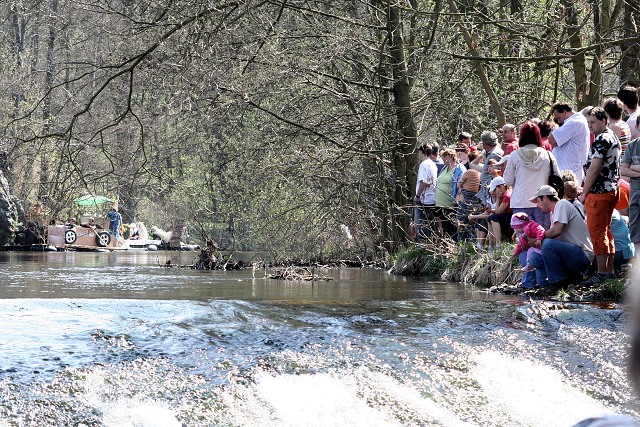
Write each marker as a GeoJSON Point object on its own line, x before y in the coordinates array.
{"type": "Point", "coordinates": [527, 268]}
{"type": "Point", "coordinates": [596, 279]}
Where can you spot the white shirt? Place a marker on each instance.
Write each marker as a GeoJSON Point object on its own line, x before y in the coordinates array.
{"type": "Point", "coordinates": [427, 173]}
{"type": "Point", "coordinates": [631, 121]}
{"type": "Point", "coordinates": [572, 149]}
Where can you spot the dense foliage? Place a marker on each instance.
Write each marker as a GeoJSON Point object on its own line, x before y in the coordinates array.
{"type": "Point", "coordinates": [267, 124]}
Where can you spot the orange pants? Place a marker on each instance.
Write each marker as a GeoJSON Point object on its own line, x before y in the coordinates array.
{"type": "Point", "coordinates": [599, 208]}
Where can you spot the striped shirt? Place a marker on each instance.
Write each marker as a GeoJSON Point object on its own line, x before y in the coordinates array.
{"type": "Point", "coordinates": [622, 131]}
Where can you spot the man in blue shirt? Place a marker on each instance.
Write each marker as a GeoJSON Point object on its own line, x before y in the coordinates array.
{"type": "Point", "coordinates": [115, 222]}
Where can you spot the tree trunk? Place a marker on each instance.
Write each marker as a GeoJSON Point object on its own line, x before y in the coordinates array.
{"type": "Point", "coordinates": [18, 28]}
{"type": "Point", "coordinates": [43, 188]}
{"type": "Point", "coordinates": [404, 160]}
{"type": "Point", "coordinates": [630, 65]}
{"type": "Point", "coordinates": [578, 61]}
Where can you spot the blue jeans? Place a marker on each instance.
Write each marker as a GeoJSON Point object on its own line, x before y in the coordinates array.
{"type": "Point", "coordinates": [559, 260]}
{"type": "Point", "coordinates": [465, 230]}
{"type": "Point", "coordinates": [423, 220]}
{"type": "Point", "coordinates": [532, 279]}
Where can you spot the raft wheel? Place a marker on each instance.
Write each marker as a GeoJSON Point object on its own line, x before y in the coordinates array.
{"type": "Point", "coordinates": [70, 237]}
{"type": "Point", "coordinates": [103, 238]}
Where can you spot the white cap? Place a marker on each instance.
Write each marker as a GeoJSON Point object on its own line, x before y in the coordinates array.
{"type": "Point", "coordinates": [498, 180]}
{"type": "Point", "coordinates": [544, 190]}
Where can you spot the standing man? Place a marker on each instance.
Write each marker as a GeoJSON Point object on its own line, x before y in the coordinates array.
{"type": "Point", "coordinates": [115, 222]}
{"type": "Point", "coordinates": [492, 150]}
{"type": "Point", "coordinates": [566, 250]}
{"type": "Point", "coordinates": [629, 97]}
{"type": "Point", "coordinates": [510, 138]}
{"type": "Point", "coordinates": [570, 141]}
{"type": "Point", "coordinates": [630, 168]}
{"type": "Point", "coordinates": [425, 197]}
{"type": "Point", "coordinates": [600, 193]}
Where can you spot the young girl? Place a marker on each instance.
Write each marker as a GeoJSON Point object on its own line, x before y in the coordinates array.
{"type": "Point", "coordinates": [526, 228]}
{"type": "Point", "coordinates": [489, 222]}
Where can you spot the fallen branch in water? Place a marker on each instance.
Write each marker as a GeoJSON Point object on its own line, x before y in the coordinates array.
{"type": "Point", "coordinates": [296, 274]}
{"type": "Point", "coordinates": [210, 258]}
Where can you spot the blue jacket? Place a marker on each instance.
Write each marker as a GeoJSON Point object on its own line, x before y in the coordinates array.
{"type": "Point", "coordinates": [457, 175]}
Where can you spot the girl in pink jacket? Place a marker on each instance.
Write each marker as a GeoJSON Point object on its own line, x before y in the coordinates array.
{"type": "Point", "coordinates": [526, 228]}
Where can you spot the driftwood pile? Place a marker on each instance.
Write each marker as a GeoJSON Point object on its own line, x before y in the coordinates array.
{"type": "Point", "coordinates": [296, 274]}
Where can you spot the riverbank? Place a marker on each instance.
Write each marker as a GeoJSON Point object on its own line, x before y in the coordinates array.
{"type": "Point", "coordinates": [495, 270]}
{"type": "Point", "coordinates": [453, 262]}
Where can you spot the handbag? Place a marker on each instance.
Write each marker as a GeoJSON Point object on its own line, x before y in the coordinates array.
{"type": "Point", "coordinates": [554, 180]}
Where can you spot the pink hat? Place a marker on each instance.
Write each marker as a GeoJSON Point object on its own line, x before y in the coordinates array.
{"type": "Point", "coordinates": [519, 219]}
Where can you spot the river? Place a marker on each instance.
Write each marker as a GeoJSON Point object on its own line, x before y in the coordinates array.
{"type": "Point", "coordinates": [114, 339]}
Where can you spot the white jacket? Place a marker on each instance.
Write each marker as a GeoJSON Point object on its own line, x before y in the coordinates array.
{"type": "Point", "coordinates": [527, 169]}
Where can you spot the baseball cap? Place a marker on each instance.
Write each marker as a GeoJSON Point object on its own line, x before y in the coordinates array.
{"type": "Point", "coordinates": [498, 180]}
{"type": "Point", "coordinates": [544, 190]}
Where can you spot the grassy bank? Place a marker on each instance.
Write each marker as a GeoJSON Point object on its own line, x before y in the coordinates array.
{"type": "Point", "coordinates": [497, 269]}
{"type": "Point", "coordinates": [455, 262]}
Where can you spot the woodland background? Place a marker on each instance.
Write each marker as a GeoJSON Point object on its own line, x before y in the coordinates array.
{"type": "Point", "coordinates": [267, 124]}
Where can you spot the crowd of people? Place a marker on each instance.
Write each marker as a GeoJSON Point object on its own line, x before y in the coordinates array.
{"type": "Point", "coordinates": [566, 190]}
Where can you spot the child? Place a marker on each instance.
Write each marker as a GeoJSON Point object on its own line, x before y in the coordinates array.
{"type": "Point", "coordinates": [571, 194]}
{"type": "Point", "coordinates": [526, 228]}
{"type": "Point", "coordinates": [492, 168]}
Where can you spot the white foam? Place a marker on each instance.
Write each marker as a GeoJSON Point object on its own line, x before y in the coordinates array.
{"type": "Point", "coordinates": [317, 400]}
{"type": "Point", "coordinates": [133, 413]}
{"type": "Point", "coordinates": [521, 388]}
{"type": "Point", "coordinates": [136, 411]}
{"type": "Point", "coordinates": [361, 398]}
{"type": "Point", "coordinates": [406, 399]}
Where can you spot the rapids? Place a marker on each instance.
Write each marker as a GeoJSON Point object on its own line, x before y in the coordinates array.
{"type": "Point", "coordinates": [116, 340]}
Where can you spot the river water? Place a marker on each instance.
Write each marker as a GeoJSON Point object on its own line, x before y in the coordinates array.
{"type": "Point", "coordinates": [114, 339]}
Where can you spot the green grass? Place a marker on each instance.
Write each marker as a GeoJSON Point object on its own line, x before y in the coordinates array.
{"type": "Point", "coordinates": [458, 262]}
{"type": "Point", "coordinates": [416, 261]}
{"type": "Point", "coordinates": [613, 289]}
